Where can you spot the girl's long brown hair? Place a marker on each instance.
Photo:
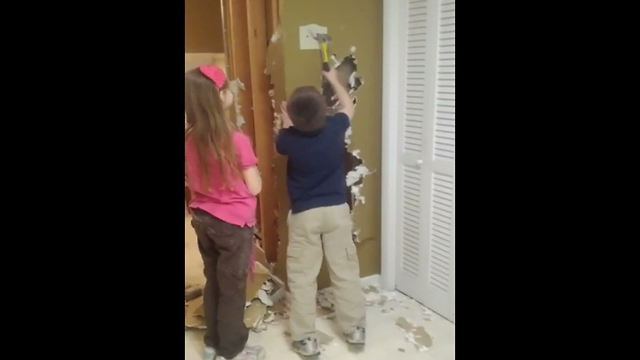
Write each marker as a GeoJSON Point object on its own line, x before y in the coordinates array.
{"type": "Point", "coordinates": [207, 127]}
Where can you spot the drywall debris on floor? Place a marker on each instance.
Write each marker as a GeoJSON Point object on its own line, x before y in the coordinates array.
{"type": "Point", "coordinates": [192, 292]}
{"type": "Point", "coordinates": [194, 313]}
{"type": "Point", "coordinates": [263, 292]}
{"type": "Point", "coordinates": [385, 300]}
{"type": "Point", "coordinates": [193, 265]}
{"type": "Point", "coordinates": [426, 313]}
{"type": "Point", "coordinates": [371, 289]}
{"type": "Point", "coordinates": [323, 338]}
{"type": "Point", "coordinates": [235, 86]}
{"type": "Point", "coordinates": [416, 335]}
{"type": "Point", "coordinates": [254, 315]}
{"type": "Point", "coordinates": [326, 298]}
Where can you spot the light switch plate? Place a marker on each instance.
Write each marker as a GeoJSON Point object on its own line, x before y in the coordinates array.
{"type": "Point", "coordinates": [307, 42]}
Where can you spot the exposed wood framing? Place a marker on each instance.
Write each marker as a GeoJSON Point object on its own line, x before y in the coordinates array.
{"type": "Point", "coordinates": [246, 26]}
{"type": "Point", "coordinates": [237, 50]}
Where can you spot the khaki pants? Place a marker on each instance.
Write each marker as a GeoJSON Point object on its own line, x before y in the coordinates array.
{"type": "Point", "coordinates": [312, 233]}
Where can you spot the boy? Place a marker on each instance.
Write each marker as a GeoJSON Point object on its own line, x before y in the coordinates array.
{"type": "Point", "coordinates": [319, 221]}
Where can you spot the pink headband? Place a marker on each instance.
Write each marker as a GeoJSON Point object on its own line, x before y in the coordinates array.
{"type": "Point", "coordinates": [215, 74]}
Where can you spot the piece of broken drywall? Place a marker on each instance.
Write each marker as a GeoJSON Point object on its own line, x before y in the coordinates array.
{"type": "Point", "coordinates": [235, 86]}
{"type": "Point", "coordinates": [355, 178]}
{"type": "Point", "coordinates": [416, 335]}
{"type": "Point", "coordinates": [275, 70]}
{"type": "Point", "coordinates": [390, 302]}
{"type": "Point", "coordinates": [264, 295]}
{"type": "Point", "coordinates": [193, 265]}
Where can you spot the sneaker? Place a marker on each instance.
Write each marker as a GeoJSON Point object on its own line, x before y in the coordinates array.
{"type": "Point", "coordinates": [357, 336]}
{"type": "Point", "coordinates": [248, 353]}
{"type": "Point", "coordinates": [209, 353]}
{"type": "Point", "coordinates": [307, 347]}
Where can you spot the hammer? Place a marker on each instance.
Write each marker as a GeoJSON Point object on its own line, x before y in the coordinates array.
{"type": "Point", "coordinates": [324, 39]}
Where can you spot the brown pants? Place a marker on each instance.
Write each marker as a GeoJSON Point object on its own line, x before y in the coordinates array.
{"type": "Point", "coordinates": [225, 250]}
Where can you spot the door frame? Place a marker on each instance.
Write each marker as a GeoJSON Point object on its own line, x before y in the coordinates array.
{"type": "Point", "coordinates": [391, 42]}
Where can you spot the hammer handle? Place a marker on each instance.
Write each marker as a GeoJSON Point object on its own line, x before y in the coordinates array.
{"type": "Point", "coordinates": [325, 57]}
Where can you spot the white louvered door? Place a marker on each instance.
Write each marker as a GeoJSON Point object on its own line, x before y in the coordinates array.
{"type": "Point", "coordinates": [426, 193]}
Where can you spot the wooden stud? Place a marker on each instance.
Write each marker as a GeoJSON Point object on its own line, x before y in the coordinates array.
{"type": "Point", "coordinates": [263, 121]}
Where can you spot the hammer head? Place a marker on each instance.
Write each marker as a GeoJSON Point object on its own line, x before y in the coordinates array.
{"type": "Point", "coordinates": [322, 38]}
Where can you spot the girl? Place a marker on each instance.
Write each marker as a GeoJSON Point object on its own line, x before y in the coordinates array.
{"type": "Point", "coordinates": [223, 180]}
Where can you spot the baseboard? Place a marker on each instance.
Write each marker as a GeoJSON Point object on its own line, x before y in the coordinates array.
{"type": "Point", "coordinates": [370, 280]}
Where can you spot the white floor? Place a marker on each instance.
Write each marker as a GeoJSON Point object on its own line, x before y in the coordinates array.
{"type": "Point", "coordinates": [385, 339]}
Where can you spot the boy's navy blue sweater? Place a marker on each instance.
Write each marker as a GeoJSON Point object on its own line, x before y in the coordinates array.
{"type": "Point", "coordinates": [315, 170]}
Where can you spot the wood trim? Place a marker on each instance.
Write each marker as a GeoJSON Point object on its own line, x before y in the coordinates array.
{"type": "Point", "coordinates": [390, 154]}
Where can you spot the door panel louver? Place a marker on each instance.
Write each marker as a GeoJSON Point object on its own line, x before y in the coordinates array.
{"type": "Point", "coordinates": [411, 220]}
{"type": "Point", "coordinates": [445, 127]}
{"type": "Point", "coordinates": [441, 231]}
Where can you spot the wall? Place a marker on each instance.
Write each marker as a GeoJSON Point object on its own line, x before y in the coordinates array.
{"type": "Point", "coordinates": [350, 23]}
{"type": "Point", "coordinates": [193, 60]}
{"type": "Point", "coordinates": [203, 26]}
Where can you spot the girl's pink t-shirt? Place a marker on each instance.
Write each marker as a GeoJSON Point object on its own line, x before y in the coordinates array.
{"type": "Point", "coordinates": [233, 204]}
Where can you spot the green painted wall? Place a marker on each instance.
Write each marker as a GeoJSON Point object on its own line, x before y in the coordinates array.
{"type": "Point", "coordinates": [350, 23]}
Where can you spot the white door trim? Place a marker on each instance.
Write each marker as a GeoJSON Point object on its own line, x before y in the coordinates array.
{"type": "Point", "coordinates": [390, 114]}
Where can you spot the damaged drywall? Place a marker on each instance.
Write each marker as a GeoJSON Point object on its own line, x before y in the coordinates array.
{"type": "Point", "coordinates": [355, 34]}
{"type": "Point", "coordinates": [347, 75]}
{"type": "Point", "coordinates": [356, 171]}
{"type": "Point", "coordinates": [355, 178]}
{"type": "Point", "coordinates": [274, 69]}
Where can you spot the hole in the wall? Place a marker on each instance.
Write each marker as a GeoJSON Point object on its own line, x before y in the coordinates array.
{"type": "Point", "coordinates": [350, 163]}
{"type": "Point", "coordinates": [355, 171]}
{"type": "Point", "coordinates": [347, 74]}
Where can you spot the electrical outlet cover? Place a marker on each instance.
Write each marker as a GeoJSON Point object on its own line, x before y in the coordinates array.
{"type": "Point", "coordinates": [307, 42]}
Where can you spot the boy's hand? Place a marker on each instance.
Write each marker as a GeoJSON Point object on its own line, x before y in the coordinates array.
{"type": "Point", "coordinates": [286, 120]}
{"type": "Point", "coordinates": [346, 104]}
{"type": "Point", "coordinates": [331, 75]}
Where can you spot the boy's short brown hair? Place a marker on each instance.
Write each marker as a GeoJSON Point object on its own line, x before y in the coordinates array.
{"type": "Point", "coordinates": [307, 109]}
